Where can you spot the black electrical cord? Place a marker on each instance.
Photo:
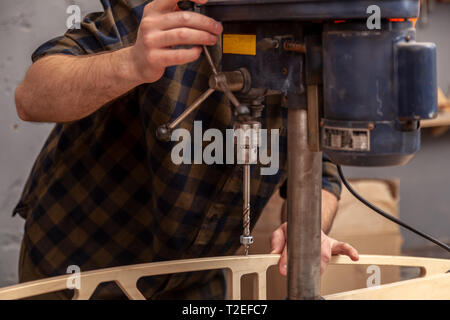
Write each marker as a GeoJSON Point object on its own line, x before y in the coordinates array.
{"type": "Point", "coordinates": [388, 216]}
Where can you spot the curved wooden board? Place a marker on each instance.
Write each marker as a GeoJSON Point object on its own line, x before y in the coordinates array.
{"type": "Point", "coordinates": [435, 287]}
{"type": "Point", "coordinates": [428, 266]}
{"type": "Point", "coordinates": [126, 277]}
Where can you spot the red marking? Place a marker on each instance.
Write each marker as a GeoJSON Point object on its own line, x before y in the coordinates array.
{"type": "Point", "coordinates": [396, 19]}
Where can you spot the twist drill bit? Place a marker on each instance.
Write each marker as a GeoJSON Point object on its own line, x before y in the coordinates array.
{"type": "Point", "coordinates": [247, 141]}
{"type": "Point", "coordinates": [247, 239]}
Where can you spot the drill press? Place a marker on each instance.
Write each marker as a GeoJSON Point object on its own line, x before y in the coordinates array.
{"type": "Point", "coordinates": [356, 93]}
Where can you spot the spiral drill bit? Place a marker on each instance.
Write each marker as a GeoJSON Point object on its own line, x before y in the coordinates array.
{"type": "Point", "coordinates": [246, 238]}
{"type": "Point", "coordinates": [247, 143]}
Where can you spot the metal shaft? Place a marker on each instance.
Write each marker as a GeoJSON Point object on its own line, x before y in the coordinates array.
{"type": "Point", "coordinates": [210, 60]}
{"type": "Point", "coordinates": [303, 205]}
{"type": "Point", "coordinates": [247, 146]}
{"type": "Point", "coordinates": [200, 99]}
{"type": "Point", "coordinates": [191, 108]}
{"type": "Point", "coordinates": [246, 212]}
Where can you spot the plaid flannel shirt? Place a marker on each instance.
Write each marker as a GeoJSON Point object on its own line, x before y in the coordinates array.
{"type": "Point", "coordinates": [104, 192]}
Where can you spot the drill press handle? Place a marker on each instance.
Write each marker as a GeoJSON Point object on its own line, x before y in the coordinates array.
{"type": "Point", "coordinates": [227, 82]}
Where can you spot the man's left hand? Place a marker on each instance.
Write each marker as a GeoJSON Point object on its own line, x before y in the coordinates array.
{"type": "Point", "coordinates": [329, 246]}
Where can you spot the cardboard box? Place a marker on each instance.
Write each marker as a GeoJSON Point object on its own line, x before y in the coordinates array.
{"type": "Point", "coordinates": [367, 231]}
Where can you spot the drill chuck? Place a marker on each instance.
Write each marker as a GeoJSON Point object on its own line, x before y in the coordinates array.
{"type": "Point", "coordinates": [247, 141]}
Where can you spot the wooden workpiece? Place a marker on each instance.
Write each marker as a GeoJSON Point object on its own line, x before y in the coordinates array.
{"type": "Point", "coordinates": [434, 282]}
{"type": "Point", "coordinates": [436, 287]}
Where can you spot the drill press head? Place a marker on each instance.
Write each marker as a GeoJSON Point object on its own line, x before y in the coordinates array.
{"type": "Point", "coordinates": [375, 85]}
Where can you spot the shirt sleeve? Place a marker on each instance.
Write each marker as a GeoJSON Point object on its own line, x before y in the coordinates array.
{"type": "Point", "coordinates": [114, 28]}
{"type": "Point", "coordinates": [330, 179]}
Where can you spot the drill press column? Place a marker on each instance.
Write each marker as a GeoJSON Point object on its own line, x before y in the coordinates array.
{"type": "Point", "coordinates": [303, 208]}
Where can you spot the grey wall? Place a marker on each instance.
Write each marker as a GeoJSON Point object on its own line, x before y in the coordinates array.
{"type": "Point", "coordinates": [25, 24]}
{"type": "Point", "coordinates": [437, 30]}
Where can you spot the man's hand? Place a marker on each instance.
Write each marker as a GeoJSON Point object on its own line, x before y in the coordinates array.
{"type": "Point", "coordinates": [329, 246]}
{"type": "Point", "coordinates": [163, 27]}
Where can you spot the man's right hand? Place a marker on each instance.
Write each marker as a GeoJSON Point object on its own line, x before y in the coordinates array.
{"type": "Point", "coordinates": [162, 27]}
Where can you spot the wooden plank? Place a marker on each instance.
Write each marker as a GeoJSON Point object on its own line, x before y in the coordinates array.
{"type": "Point", "coordinates": [261, 292]}
{"type": "Point", "coordinates": [127, 276]}
{"type": "Point", "coordinates": [429, 266]}
{"type": "Point", "coordinates": [436, 287]}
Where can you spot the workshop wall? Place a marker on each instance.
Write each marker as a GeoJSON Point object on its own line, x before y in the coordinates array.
{"type": "Point", "coordinates": [25, 24]}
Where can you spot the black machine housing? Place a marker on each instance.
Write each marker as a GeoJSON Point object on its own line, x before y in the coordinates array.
{"type": "Point", "coordinates": [375, 85]}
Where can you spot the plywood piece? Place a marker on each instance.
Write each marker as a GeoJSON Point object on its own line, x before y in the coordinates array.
{"type": "Point", "coordinates": [429, 266]}
{"type": "Point", "coordinates": [127, 276]}
{"type": "Point", "coordinates": [436, 287]}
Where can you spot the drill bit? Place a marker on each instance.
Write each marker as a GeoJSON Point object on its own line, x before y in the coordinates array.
{"type": "Point", "coordinates": [247, 143]}
{"type": "Point", "coordinates": [246, 212]}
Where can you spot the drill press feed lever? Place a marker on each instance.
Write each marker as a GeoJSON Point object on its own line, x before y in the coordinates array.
{"type": "Point", "coordinates": [227, 82]}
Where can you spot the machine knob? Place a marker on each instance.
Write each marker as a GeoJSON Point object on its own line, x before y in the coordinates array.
{"type": "Point", "coordinates": [242, 111]}
{"type": "Point", "coordinates": [163, 133]}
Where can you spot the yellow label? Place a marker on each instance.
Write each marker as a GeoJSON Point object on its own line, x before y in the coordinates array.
{"type": "Point", "coordinates": [239, 44]}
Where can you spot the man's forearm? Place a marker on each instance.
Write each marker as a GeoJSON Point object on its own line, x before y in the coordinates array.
{"type": "Point", "coordinates": [329, 209]}
{"type": "Point", "coordinates": [62, 88]}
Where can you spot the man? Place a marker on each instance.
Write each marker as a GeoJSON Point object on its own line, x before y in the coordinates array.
{"type": "Point", "coordinates": [104, 191]}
